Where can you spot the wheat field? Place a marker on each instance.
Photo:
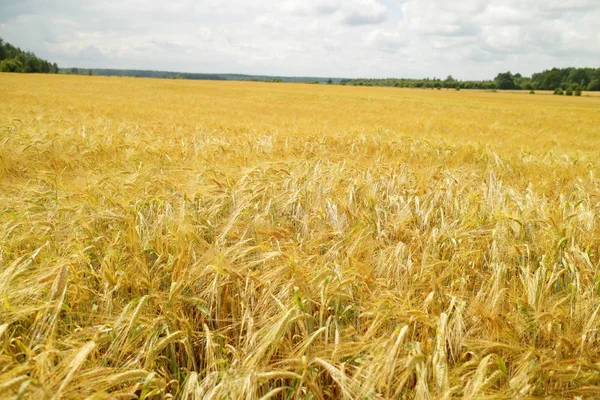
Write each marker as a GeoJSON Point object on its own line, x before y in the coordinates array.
{"type": "Point", "coordinates": [221, 240]}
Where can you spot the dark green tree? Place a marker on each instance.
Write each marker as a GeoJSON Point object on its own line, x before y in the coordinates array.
{"type": "Point", "coordinates": [552, 80]}
{"type": "Point", "coordinates": [505, 81]}
{"type": "Point", "coordinates": [579, 76]}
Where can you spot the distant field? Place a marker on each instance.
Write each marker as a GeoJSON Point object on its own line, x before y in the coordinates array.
{"type": "Point", "coordinates": [188, 239]}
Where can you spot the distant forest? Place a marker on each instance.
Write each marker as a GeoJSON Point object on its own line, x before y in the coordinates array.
{"type": "Point", "coordinates": [13, 59]}
{"type": "Point", "coordinates": [575, 79]}
{"type": "Point", "coordinates": [194, 76]}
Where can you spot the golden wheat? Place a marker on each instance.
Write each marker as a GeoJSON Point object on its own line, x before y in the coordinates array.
{"type": "Point", "coordinates": [169, 239]}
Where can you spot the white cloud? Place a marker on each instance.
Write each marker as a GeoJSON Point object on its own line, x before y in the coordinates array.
{"type": "Point", "coordinates": [387, 40]}
{"type": "Point", "coordinates": [362, 12]}
{"type": "Point", "coordinates": [349, 12]}
{"type": "Point", "coordinates": [379, 38]}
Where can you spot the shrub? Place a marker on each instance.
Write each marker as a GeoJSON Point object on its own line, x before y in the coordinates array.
{"type": "Point", "coordinates": [569, 92]}
{"type": "Point", "coordinates": [531, 92]}
{"type": "Point", "coordinates": [578, 92]}
{"type": "Point", "coordinates": [558, 91]}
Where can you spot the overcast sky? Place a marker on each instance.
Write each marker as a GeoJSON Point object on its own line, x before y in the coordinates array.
{"type": "Point", "coordinates": [469, 39]}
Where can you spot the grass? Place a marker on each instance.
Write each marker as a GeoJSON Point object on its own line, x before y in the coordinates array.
{"type": "Point", "coordinates": [175, 239]}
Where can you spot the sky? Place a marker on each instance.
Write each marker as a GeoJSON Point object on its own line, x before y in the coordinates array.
{"type": "Point", "coordinates": [468, 39]}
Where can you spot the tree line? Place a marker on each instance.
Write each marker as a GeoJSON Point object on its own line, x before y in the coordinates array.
{"type": "Point", "coordinates": [141, 73]}
{"type": "Point", "coordinates": [137, 73]}
{"type": "Point", "coordinates": [13, 59]}
{"type": "Point", "coordinates": [427, 83]}
{"type": "Point", "coordinates": [568, 79]}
